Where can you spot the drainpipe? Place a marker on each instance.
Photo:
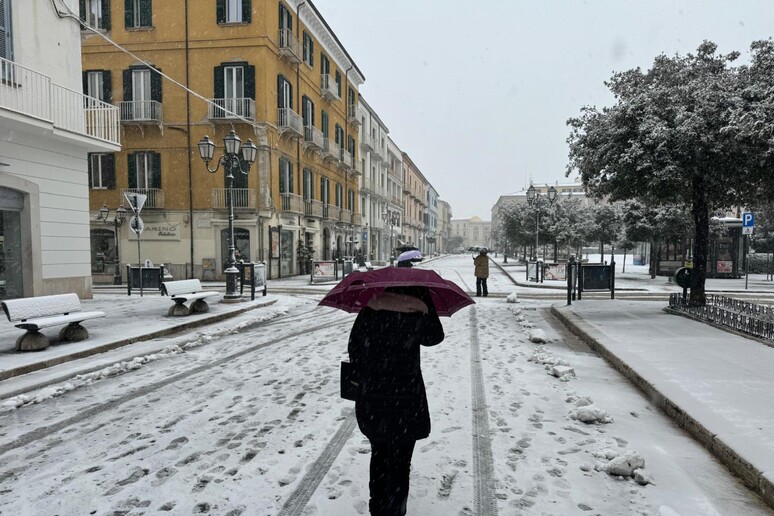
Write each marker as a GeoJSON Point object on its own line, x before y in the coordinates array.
{"type": "Point", "coordinates": [188, 139]}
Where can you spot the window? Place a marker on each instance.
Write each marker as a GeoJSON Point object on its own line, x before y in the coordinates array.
{"type": "Point", "coordinates": [324, 124]}
{"type": "Point", "coordinates": [102, 171]}
{"type": "Point", "coordinates": [144, 170]}
{"type": "Point", "coordinates": [234, 83]}
{"type": "Point", "coordinates": [233, 11]}
{"type": "Point", "coordinates": [325, 192]}
{"type": "Point", "coordinates": [98, 84]}
{"type": "Point", "coordinates": [308, 185]}
{"type": "Point", "coordinates": [284, 93]}
{"type": "Point", "coordinates": [351, 200]}
{"type": "Point", "coordinates": [285, 19]}
{"type": "Point", "coordinates": [351, 96]}
{"type": "Point", "coordinates": [339, 195]}
{"type": "Point", "coordinates": [339, 136]}
{"type": "Point", "coordinates": [351, 146]}
{"type": "Point", "coordinates": [286, 176]}
{"type": "Point", "coordinates": [325, 65]}
{"type": "Point", "coordinates": [96, 13]}
{"type": "Point", "coordinates": [138, 13]}
{"type": "Point", "coordinates": [6, 35]}
{"type": "Point", "coordinates": [308, 50]}
{"type": "Point", "coordinates": [142, 86]}
{"type": "Point", "coordinates": [338, 83]}
{"type": "Point", "coordinates": [307, 111]}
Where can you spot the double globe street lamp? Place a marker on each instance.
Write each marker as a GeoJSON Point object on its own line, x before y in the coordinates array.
{"type": "Point", "coordinates": [236, 154]}
{"type": "Point", "coordinates": [393, 219]}
{"type": "Point", "coordinates": [118, 221]}
{"type": "Point", "coordinates": [533, 198]}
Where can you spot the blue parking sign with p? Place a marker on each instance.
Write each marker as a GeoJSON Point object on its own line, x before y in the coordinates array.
{"type": "Point", "coordinates": [748, 219]}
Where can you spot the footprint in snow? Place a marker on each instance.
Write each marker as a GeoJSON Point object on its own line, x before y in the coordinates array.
{"type": "Point", "coordinates": [177, 443]}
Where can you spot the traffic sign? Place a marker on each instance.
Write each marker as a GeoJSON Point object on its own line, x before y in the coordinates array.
{"type": "Point", "coordinates": [136, 201]}
{"type": "Point", "coordinates": [748, 220]}
{"type": "Point", "coordinates": [747, 230]}
{"type": "Point", "coordinates": [136, 224]}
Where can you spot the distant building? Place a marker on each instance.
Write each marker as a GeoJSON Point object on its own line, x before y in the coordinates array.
{"type": "Point", "coordinates": [47, 130]}
{"type": "Point", "coordinates": [473, 231]}
{"type": "Point", "coordinates": [444, 226]}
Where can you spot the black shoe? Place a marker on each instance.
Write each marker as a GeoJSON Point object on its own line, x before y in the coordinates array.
{"type": "Point", "coordinates": [478, 295]}
{"type": "Point", "coordinates": [486, 295]}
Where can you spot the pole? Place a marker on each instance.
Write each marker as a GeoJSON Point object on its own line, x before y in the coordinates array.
{"type": "Point", "coordinates": [746, 261]}
{"type": "Point", "coordinates": [537, 227]}
{"type": "Point", "coordinates": [231, 271]}
{"type": "Point", "coordinates": [117, 273]}
{"type": "Point", "coordinates": [139, 256]}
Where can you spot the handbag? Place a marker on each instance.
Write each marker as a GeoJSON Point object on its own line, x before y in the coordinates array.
{"type": "Point", "coordinates": [350, 382]}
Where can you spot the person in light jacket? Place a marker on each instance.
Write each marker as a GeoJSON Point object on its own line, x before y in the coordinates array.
{"type": "Point", "coordinates": [481, 264]}
{"type": "Point", "coordinates": [392, 410]}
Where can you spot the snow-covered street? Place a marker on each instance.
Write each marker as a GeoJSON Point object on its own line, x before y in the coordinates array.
{"type": "Point", "coordinates": [244, 417]}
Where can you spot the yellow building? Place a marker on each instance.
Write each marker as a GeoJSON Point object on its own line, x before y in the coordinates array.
{"type": "Point", "coordinates": [272, 71]}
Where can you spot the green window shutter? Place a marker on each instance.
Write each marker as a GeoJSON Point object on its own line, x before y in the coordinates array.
{"type": "Point", "coordinates": [128, 85]}
{"type": "Point", "coordinates": [218, 79]}
{"type": "Point", "coordinates": [128, 14]}
{"type": "Point", "coordinates": [6, 31]}
{"type": "Point", "coordinates": [82, 9]}
{"type": "Point", "coordinates": [247, 11]}
{"type": "Point", "coordinates": [131, 163]}
{"type": "Point", "coordinates": [156, 84]}
{"type": "Point", "coordinates": [220, 11]}
{"type": "Point", "coordinates": [311, 52]}
{"type": "Point", "coordinates": [85, 82]}
{"type": "Point", "coordinates": [156, 170]}
{"type": "Point", "coordinates": [107, 86]}
{"type": "Point", "coordinates": [106, 14]}
{"type": "Point", "coordinates": [146, 13]}
{"type": "Point", "coordinates": [325, 124]}
{"type": "Point", "coordinates": [109, 171]}
{"type": "Point", "coordinates": [249, 72]}
{"type": "Point", "coordinates": [89, 168]}
{"type": "Point", "coordinates": [280, 82]}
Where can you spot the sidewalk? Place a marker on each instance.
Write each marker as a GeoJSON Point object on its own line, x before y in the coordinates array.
{"type": "Point", "coordinates": [128, 320]}
{"type": "Point", "coordinates": [716, 385]}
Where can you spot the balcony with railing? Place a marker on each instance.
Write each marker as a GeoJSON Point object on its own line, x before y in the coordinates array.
{"type": "Point", "coordinates": [331, 150]}
{"type": "Point", "coordinates": [292, 203]}
{"type": "Point", "coordinates": [242, 198]}
{"type": "Point", "coordinates": [141, 111]}
{"type": "Point", "coordinates": [33, 94]}
{"type": "Point", "coordinates": [313, 209]}
{"type": "Point", "coordinates": [353, 115]}
{"type": "Point", "coordinates": [155, 196]}
{"type": "Point", "coordinates": [290, 123]}
{"type": "Point", "coordinates": [345, 158]}
{"type": "Point", "coordinates": [377, 149]}
{"type": "Point", "coordinates": [290, 47]}
{"type": "Point", "coordinates": [345, 216]}
{"type": "Point", "coordinates": [313, 138]}
{"type": "Point", "coordinates": [329, 89]}
{"type": "Point", "coordinates": [357, 219]}
{"type": "Point", "coordinates": [229, 110]}
{"type": "Point", "coordinates": [332, 212]}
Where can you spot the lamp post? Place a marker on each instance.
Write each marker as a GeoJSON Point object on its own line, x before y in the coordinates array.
{"type": "Point", "coordinates": [533, 198]}
{"type": "Point", "coordinates": [393, 218]}
{"type": "Point", "coordinates": [231, 161]}
{"type": "Point", "coordinates": [118, 220]}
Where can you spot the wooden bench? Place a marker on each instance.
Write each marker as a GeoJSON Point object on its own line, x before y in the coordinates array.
{"type": "Point", "coordinates": [34, 313]}
{"type": "Point", "coordinates": [182, 291]}
{"type": "Point", "coordinates": [368, 266]}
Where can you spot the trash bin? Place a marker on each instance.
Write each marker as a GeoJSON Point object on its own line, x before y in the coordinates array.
{"type": "Point", "coordinates": [348, 266]}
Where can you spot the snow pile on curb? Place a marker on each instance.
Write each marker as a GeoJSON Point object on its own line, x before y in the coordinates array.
{"type": "Point", "coordinates": [590, 414]}
{"type": "Point", "coordinates": [537, 336]}
{"type": "Point", "coordinates": [541, 355]}
{"type": "Point", "coordinates": [86, 379]}
{"type": "Point", "coordinates": [512, 298]}
{"type": "Point", "coordinates": [564, 373]}
{"type": "Point", "coordinates": [626, 465]}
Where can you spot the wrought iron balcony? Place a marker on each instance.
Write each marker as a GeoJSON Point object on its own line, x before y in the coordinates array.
{"type": "Point", "coordinates": [290, 47]}
{"type": "Point", "coordinates": [313, 138]}
{"type": "Point", "coordinates": [228, 110]}
{"type": "Point", "coordinates": [329, 89]}
{"type": "Point", "coordinates": [290, 122]}
{"type": "Point", "coordinates": [31, 93]}
{"type": "Point", "coordinates": [243, 198]}
{"type": "Point", "coordinates": [155, 198]}
{"type": "Point", "coordinates": [292, 203]}
{"type": "Point", "coordinates": [141, 111]}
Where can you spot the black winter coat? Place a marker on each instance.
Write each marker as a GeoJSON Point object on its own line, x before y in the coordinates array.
{"type": "Point", "coordinates": [384, 349]}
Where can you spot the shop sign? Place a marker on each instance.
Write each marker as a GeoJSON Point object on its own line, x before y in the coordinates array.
{"type": "Point", "coordinates": [159, 231]}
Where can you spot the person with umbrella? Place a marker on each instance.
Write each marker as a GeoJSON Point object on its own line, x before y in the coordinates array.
{"type": "Point", "coordinates": [481, 270]}
{"type": "Point", "coordinates": [398, 313]}
{"type": "Point", "coordinates": [407, 258]}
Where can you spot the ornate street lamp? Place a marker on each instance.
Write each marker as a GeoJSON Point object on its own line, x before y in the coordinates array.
{"type": "Point", "coordinates": [393, 218]}
{"type": "Point", "coordinates": [231, 161]}
{"type": "Point", "coordinates": [118, 220]}
{"type": "Point", "coordinates": [533, 198]}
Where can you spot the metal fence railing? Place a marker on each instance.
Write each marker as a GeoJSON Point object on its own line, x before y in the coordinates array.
{"type": "Point", "coordinates": [732, 313]}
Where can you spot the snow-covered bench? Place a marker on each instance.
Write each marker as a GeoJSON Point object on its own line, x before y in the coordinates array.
{"type": "Point", "coordinates": [34, 313]}
{"type": "Point", "coordinates": [182, 291]}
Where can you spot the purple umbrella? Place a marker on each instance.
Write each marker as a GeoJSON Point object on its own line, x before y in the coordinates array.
{"type": "Point", "coordinates": [413, 256]}
{"type": "Point", "coordinates": [354, 292]}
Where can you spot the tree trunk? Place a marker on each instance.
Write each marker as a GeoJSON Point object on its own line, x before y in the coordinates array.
{"type": "Point", "coordinates": [700, 212]}
{"type": "Point", "coordinates": [653, 259]}
{"type": "Point", "coordinates": [623, 265]}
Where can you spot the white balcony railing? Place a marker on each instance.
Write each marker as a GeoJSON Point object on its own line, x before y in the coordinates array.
{"type": "Point", "coordinates": [377, 149]}
{"type": "Point", "coordinates": [33, 94]}
{"type": "Point", "coordinates": [243, 198]}
{"type": "Point", "coordinates": [313, 137]}
{"type": "Point", "coordinates": [345, 158]}
{"type": "Point", "coordinates": [353, 115]}
{"type": "Point", "coordinates": [331, 150]}
{"type": "Point", "coordinates": [149, 111]}
{"type": "Point", "coordinates": [313, 209]}
{"type": "Point", "coordinates": [289, 46]}
{"type": "Point", "coordinates": [155, 198]}
{"type": "Point", "coordinates": [290, 121]}
{"type": "Point", "coordinates": [331, 211]}
{"type": "Point", "coordinates": [292, 203]}
{"type": "Point", "coordinates": [231, 109]}
{"type": "Point", "coordinates": [329, 89]}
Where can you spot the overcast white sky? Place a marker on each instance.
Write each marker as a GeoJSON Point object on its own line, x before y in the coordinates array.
{"type": "Point", "coordinates": [478, 93]}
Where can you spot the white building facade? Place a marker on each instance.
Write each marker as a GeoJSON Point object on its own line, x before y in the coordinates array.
{"type": "Point", "coordinates": [373, 184]}
{"type": "Point", "coordinates": [47, 128]}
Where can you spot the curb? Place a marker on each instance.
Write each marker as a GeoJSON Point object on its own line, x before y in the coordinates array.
{"type": "Point", "coordinates": [37, 366]}
{"type": "Point", "coordinates": [755, 479]}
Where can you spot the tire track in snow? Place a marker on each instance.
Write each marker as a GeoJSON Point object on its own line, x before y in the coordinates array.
{"type": "Point", "coordinates": [45, 431]}
{"type": "Point", "coordinates": [296, 502]}
{"type": "Point", "coordinates": [483, 479]}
